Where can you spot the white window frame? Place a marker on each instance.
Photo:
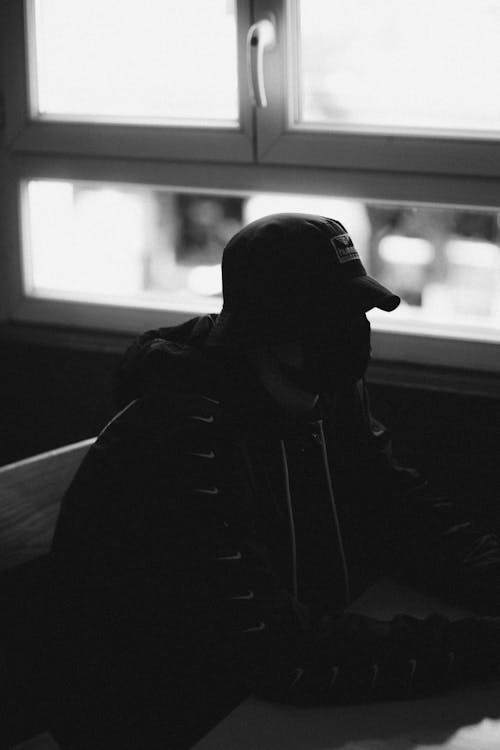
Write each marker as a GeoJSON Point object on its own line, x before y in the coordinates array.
{"type": "Point", "coordinates": [418, 152]}
{"type": "Point", "coordinates": [264, 154]}
{"type": "Point", "coordinates": [28, 133]}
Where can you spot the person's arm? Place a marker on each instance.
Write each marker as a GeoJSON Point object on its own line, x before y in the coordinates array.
{"type": "Point", "coordinates": [353, 658]}
{"type": "Point", "coordinates": [436, 542]}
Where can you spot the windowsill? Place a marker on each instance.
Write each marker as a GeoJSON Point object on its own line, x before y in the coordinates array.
{"type": "Point", "coordinates": [434, 378]}
{"type": "Point", "coordinates": [381, 371]}
{"type": "Point", "coordinates": [108, 342]}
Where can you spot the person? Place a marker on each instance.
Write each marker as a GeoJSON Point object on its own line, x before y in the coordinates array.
{"type": "Point", "coordinates": [242, 497]}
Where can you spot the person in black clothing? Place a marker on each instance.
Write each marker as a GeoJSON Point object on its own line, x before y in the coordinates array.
{"type": "Point", "coordinates": [242, 497]}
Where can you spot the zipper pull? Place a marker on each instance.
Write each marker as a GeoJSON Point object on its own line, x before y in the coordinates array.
{"type": "Point", "coordinates": [316, 434]}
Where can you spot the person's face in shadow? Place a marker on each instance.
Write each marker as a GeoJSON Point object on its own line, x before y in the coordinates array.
{"type": "Point", "coordinates": [296, 372]}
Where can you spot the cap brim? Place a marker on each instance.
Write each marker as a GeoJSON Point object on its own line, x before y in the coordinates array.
{"type": "Point", "coordinates": [366, 293]}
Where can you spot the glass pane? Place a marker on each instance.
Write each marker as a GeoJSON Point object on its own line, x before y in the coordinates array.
{"type": "Point", "coordinates": [394, 64]}
{"type": "Point", "coordinates": [144, 60]}
{"type": "Point", "coordinates": [158, 247]}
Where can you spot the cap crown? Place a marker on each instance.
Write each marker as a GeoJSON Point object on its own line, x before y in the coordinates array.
{"type": "Point", "coordinates": [291, 276]}
{"type": "Point", "coordinates": [286, 263]}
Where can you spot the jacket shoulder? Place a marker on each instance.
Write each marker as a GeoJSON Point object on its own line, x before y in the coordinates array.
{"type": "Point", "coordinates": [135, 470]}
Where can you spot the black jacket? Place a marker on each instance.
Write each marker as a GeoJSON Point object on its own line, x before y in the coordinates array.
{"type": "Point", "coordinates": [209, 546]}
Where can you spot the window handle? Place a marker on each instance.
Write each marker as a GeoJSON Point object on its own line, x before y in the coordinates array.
{"type": "Point", "coordinates": [261, 36]}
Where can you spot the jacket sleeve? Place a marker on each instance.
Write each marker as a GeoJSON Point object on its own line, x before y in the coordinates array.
{"type": "Point", "coordinates": [351, 658]}
{"type": "Point", "coordinates": [436, 542]}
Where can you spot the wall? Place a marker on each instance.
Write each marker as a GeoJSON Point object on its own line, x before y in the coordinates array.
{"type": "Point", "coordinates": [51, 396]}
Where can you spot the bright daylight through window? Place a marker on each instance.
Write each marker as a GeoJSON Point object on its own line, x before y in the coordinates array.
{"type": "Point", "coordinates": [154, 246]}
{"type": "Point", "coordinates": [396, 64]}
{"type": "Point", "coordinates": [371, 73]}
{"type": "Point", "coordinates": [147, 64]}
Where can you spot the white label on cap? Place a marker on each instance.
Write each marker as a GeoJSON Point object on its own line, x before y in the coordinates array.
{"type": "Point", "coordinates": [344, 249]}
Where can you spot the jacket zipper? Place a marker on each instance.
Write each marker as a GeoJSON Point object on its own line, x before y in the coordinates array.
{"type": "Point", "coordinates": [345, 571]}
{"type": "Point", "coordinates": [293, 542]}
{"type": "Point", "coordinates": [319, 438]}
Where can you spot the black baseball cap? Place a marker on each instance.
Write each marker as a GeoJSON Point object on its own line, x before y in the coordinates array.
{"type": "Point", "coordinates": [285, 274]}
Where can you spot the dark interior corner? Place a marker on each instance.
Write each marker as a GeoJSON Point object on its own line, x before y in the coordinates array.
{"type": "Point", "coordinates": [52, 396]}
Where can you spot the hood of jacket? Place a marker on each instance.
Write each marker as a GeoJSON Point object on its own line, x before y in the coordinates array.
{"type": "Point", "coordinates": [169, 358]}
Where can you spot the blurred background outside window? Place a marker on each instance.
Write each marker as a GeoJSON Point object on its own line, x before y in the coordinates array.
{"type": "Point", "coordinates": [149, 246]}
{"type": "Point", "coordinates": [397, 65]}
{"type": "Point", "coordinates": [145, 61]}
{"type": "Point", "coordinates": [386, 64]}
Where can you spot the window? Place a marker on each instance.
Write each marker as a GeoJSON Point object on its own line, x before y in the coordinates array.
{"type": "Point", "coordinates": [397, 66]}
{"type": "Point", "coordinates": [128, 48]}
{"type": "Point", "coordinates": [138, 138]}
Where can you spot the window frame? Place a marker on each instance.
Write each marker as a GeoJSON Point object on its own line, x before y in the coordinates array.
{"type": "Point", "coordinates": [445, 349]}
{"type": "Point", "coordinates": [28, 134]}
{"type": "Point", "coordinates": [420, 152]}
{"type": "Point", "coordinates": [262, 156]}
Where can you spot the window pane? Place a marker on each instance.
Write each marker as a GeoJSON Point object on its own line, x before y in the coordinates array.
{"type": "Point", "coordinates": [158, 247]}
{"type": "Point", "coordinates": [394, 64]}
{"type": "Point", "coordinates": [145, 60]}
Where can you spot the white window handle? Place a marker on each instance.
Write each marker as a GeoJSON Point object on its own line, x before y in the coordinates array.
{"type": "Point", "coordinates": [261, 36]}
